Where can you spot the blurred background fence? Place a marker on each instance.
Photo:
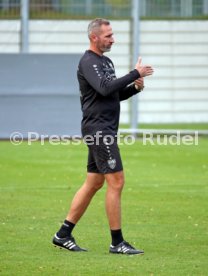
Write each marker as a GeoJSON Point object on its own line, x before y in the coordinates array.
{"type": "Point", "coordinates": [177, 49]}
{"type": "Point", "coordinates": [114, 9]}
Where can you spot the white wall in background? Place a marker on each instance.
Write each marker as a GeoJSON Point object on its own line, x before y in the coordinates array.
{"type": "Point", "coordinates": [178, 51]}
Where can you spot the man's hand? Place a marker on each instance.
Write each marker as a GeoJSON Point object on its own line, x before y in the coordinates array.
{"type": "Point", "coordinates": [144, 70]}
{"type": "Point", "coordinates": [139, 84]}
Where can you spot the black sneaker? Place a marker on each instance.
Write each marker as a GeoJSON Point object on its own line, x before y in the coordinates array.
{"type": "Point", "coordinates": [67, 243]}
{"type": "Point", "coordinates": [125, 248]}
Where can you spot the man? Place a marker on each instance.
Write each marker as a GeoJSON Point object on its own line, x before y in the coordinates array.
{"type": "Point", "coordinates": [101, 93]}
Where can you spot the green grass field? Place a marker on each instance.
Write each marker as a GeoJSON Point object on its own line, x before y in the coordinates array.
{"type": "Point", "coordinates": [165, 211]}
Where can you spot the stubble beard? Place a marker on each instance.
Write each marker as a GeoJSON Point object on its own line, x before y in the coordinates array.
{"type": "Point", "coordinates": [106, 48]}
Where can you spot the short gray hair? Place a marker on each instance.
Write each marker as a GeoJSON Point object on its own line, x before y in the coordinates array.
{"type": "Point", "coordinates": [95, 25]}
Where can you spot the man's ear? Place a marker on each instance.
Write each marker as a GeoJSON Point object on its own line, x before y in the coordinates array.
{"type": "Point", "coordinates": [94, 37]}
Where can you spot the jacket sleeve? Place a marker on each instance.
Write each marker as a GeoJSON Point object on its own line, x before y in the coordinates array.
{"type": "Point", "coordinates": [102, 81]}
{"type": "Point", "coordinates": [128, 92]}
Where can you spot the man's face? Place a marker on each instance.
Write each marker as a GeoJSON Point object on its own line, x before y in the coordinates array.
{"type": "Point", "coordinates": [105, 38]}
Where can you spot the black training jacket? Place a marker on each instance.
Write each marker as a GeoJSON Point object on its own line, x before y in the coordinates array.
{"type": "Point", "coordinates": [101, 93]}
